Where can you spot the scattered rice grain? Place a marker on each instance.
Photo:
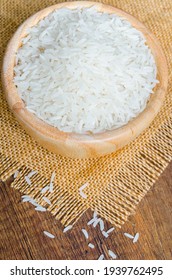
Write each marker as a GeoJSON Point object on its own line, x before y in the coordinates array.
{"type": "Point", "coordinates": [101, 225]}
{"type": "Point", "coordinates": [83, 186]}
{"type": "Point", "coordinates": [91, 245]}
{"type": "Point", "coordinates": [110, 230]}
{"type": "Point", "coordinates": [96, 222]}
{"type": "Point", "coordinates": [85, 233]}
{"type": "Point", "coordinates": [51, 181]}
{"type": "Point", "coordinates": [95, 214]}
{"type": "Point", "coordinates": [31, 174]}
{"type": "Point", "coordinates": [101, 257]}
{"type": "Point", "coordinates": [67, 228]}
{"type": "Point", "coordinates": [105, 234]}
{"type": "Point", "coordinates": [28, 180]}
{"type": "Point", "coordinates": [26, 196]}
{"type": "Point", "coordinates": [46, 200]}
{"type": "Point", "coordinates": [91, 222]}
{"type": "Point", "coordinates": [112, 254]}
{"type": "Point", "coordinates": [33, 202]}
{"type": "Point", "coordinates": [83, 194]}
{"type": "Point", "coordinates": [16, 174]}
{"type": "Point", "coordinates": [40, 208]}
{"type": "Point", "coordinates": [45, 189]}
{"type": "Point", "coordinates": [136, 237]}
{"type": "Point", "coordinates": [26, 199]}
{"type": "Point", "coordinates": [128, 235]}
{"type": "Point", "coordinates": [49, 234]}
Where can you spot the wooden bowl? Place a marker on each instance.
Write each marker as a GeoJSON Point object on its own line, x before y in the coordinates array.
{"type": "Point", "coordinates": [82, 145]}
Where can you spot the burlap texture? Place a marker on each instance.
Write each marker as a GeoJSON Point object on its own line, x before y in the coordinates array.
{"type": "Point", "coordinates": [116, 182]}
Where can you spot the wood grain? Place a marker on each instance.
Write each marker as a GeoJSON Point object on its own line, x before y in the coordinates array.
{"type": "Point", "coordinates": [21, 229]}
{"type": "Point", "coordinates": [82, 145]}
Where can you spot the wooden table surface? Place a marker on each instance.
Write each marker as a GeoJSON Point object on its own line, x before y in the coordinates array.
{"type": "Point", "coordinates": [21, 229]}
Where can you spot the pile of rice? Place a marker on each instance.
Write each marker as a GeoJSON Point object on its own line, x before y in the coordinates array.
{"type": "Point", "coordinates": [81, 70]}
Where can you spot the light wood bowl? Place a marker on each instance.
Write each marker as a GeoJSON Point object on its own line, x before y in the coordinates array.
{"type": "Point", "coordinates": [82, 145]}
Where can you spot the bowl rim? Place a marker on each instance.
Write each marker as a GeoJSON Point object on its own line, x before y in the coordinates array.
{"type": "Point", "coordinates": [132, 129]}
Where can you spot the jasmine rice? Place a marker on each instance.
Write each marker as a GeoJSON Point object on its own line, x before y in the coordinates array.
{"type": "Point", "coordinates": [81, 70]}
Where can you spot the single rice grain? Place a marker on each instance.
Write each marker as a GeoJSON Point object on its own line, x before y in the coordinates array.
{"type": "Point", "coordinates": [91, 245]}
{"type": "Point", "coordinates": [46, 200]}
{"type": "Point", "coordinates": [85, 233]}
{"type": "Point", "coordinates": [112, 254]}
{"type": "Point", "coordinates": [101, 257]}
{"type": "Point", "coordinates": [28, 180]}
{"type": "Point", "coordinates": [48, 234]}
{"type": "Point", "coordinates": [16, 174]}
{"type": "Point", "coordinates": [136, 237]}
{"type": "Point", "coordinates": [40, 208]}
{"type": "Point", "coordinates": [110, 230]}
{"type": "Point", "coordinates": [67, 228]}
{"type": "Point", "coordinates": [31, 173]}
{"type": "Point", "coordinates": [128, 235]}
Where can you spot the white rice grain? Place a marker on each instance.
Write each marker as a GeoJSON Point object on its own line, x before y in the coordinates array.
{"type": "Point", "coordinates": [81, 190]}
{"type": "Point", "coordinates": [95, 214]}
{"type": "Point", "coordinates": [101, 225]}
{"type": "Point", "coordinates": [128, 235]}
{"type": "Point", "coordinates": [105, 234]}
{"type": "Point", "coordinates": [82, 194]}
{"type": "Point", "coordinates": [136, 237]}
{"type": "Point", "coordinates": [101, 257]}
{"type": "Point", "coordinates": [96, 222]}
{"type": "Point", "coordinates": [26, 195]}
{"type": "Point", "coordinates": [28, 180]}
{"type": "Point", "coordinates": [91, 222]}
{"type": "Point", "coordinates": [49, 234]}
{"type": "Point", "coordinates": [110, 230]}
{"type": "Point", "coordinates": [83, 186]}
{"type": "Point", "coordinates": [33, 202]}
{"type": "Point", "coordinates": [51, 181]}
{"type": "Point", "coordinates": [16, 174]}
{"type": "Point", "coordinates": [31, 174]}
{"type": "Point", "coordinates": [85, 233]}
{"type": "Point", "coordinates": [91, 245]}
{"type": "Point", "coordinates": [112, 254]}
{"type": "Point", "coordinates": [46, 200]}
{"type": "Point", "coordinates": [45, 189]}
{"type": "Point", "coordinates": [67, 228]}
{"type": "Point", "coordinates": [26, 199]}
{"type": "Point", "coordinates": [40, 208]}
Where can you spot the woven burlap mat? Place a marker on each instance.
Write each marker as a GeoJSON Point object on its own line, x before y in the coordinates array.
{"type": "Point", "coordinates": [116, 182]}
